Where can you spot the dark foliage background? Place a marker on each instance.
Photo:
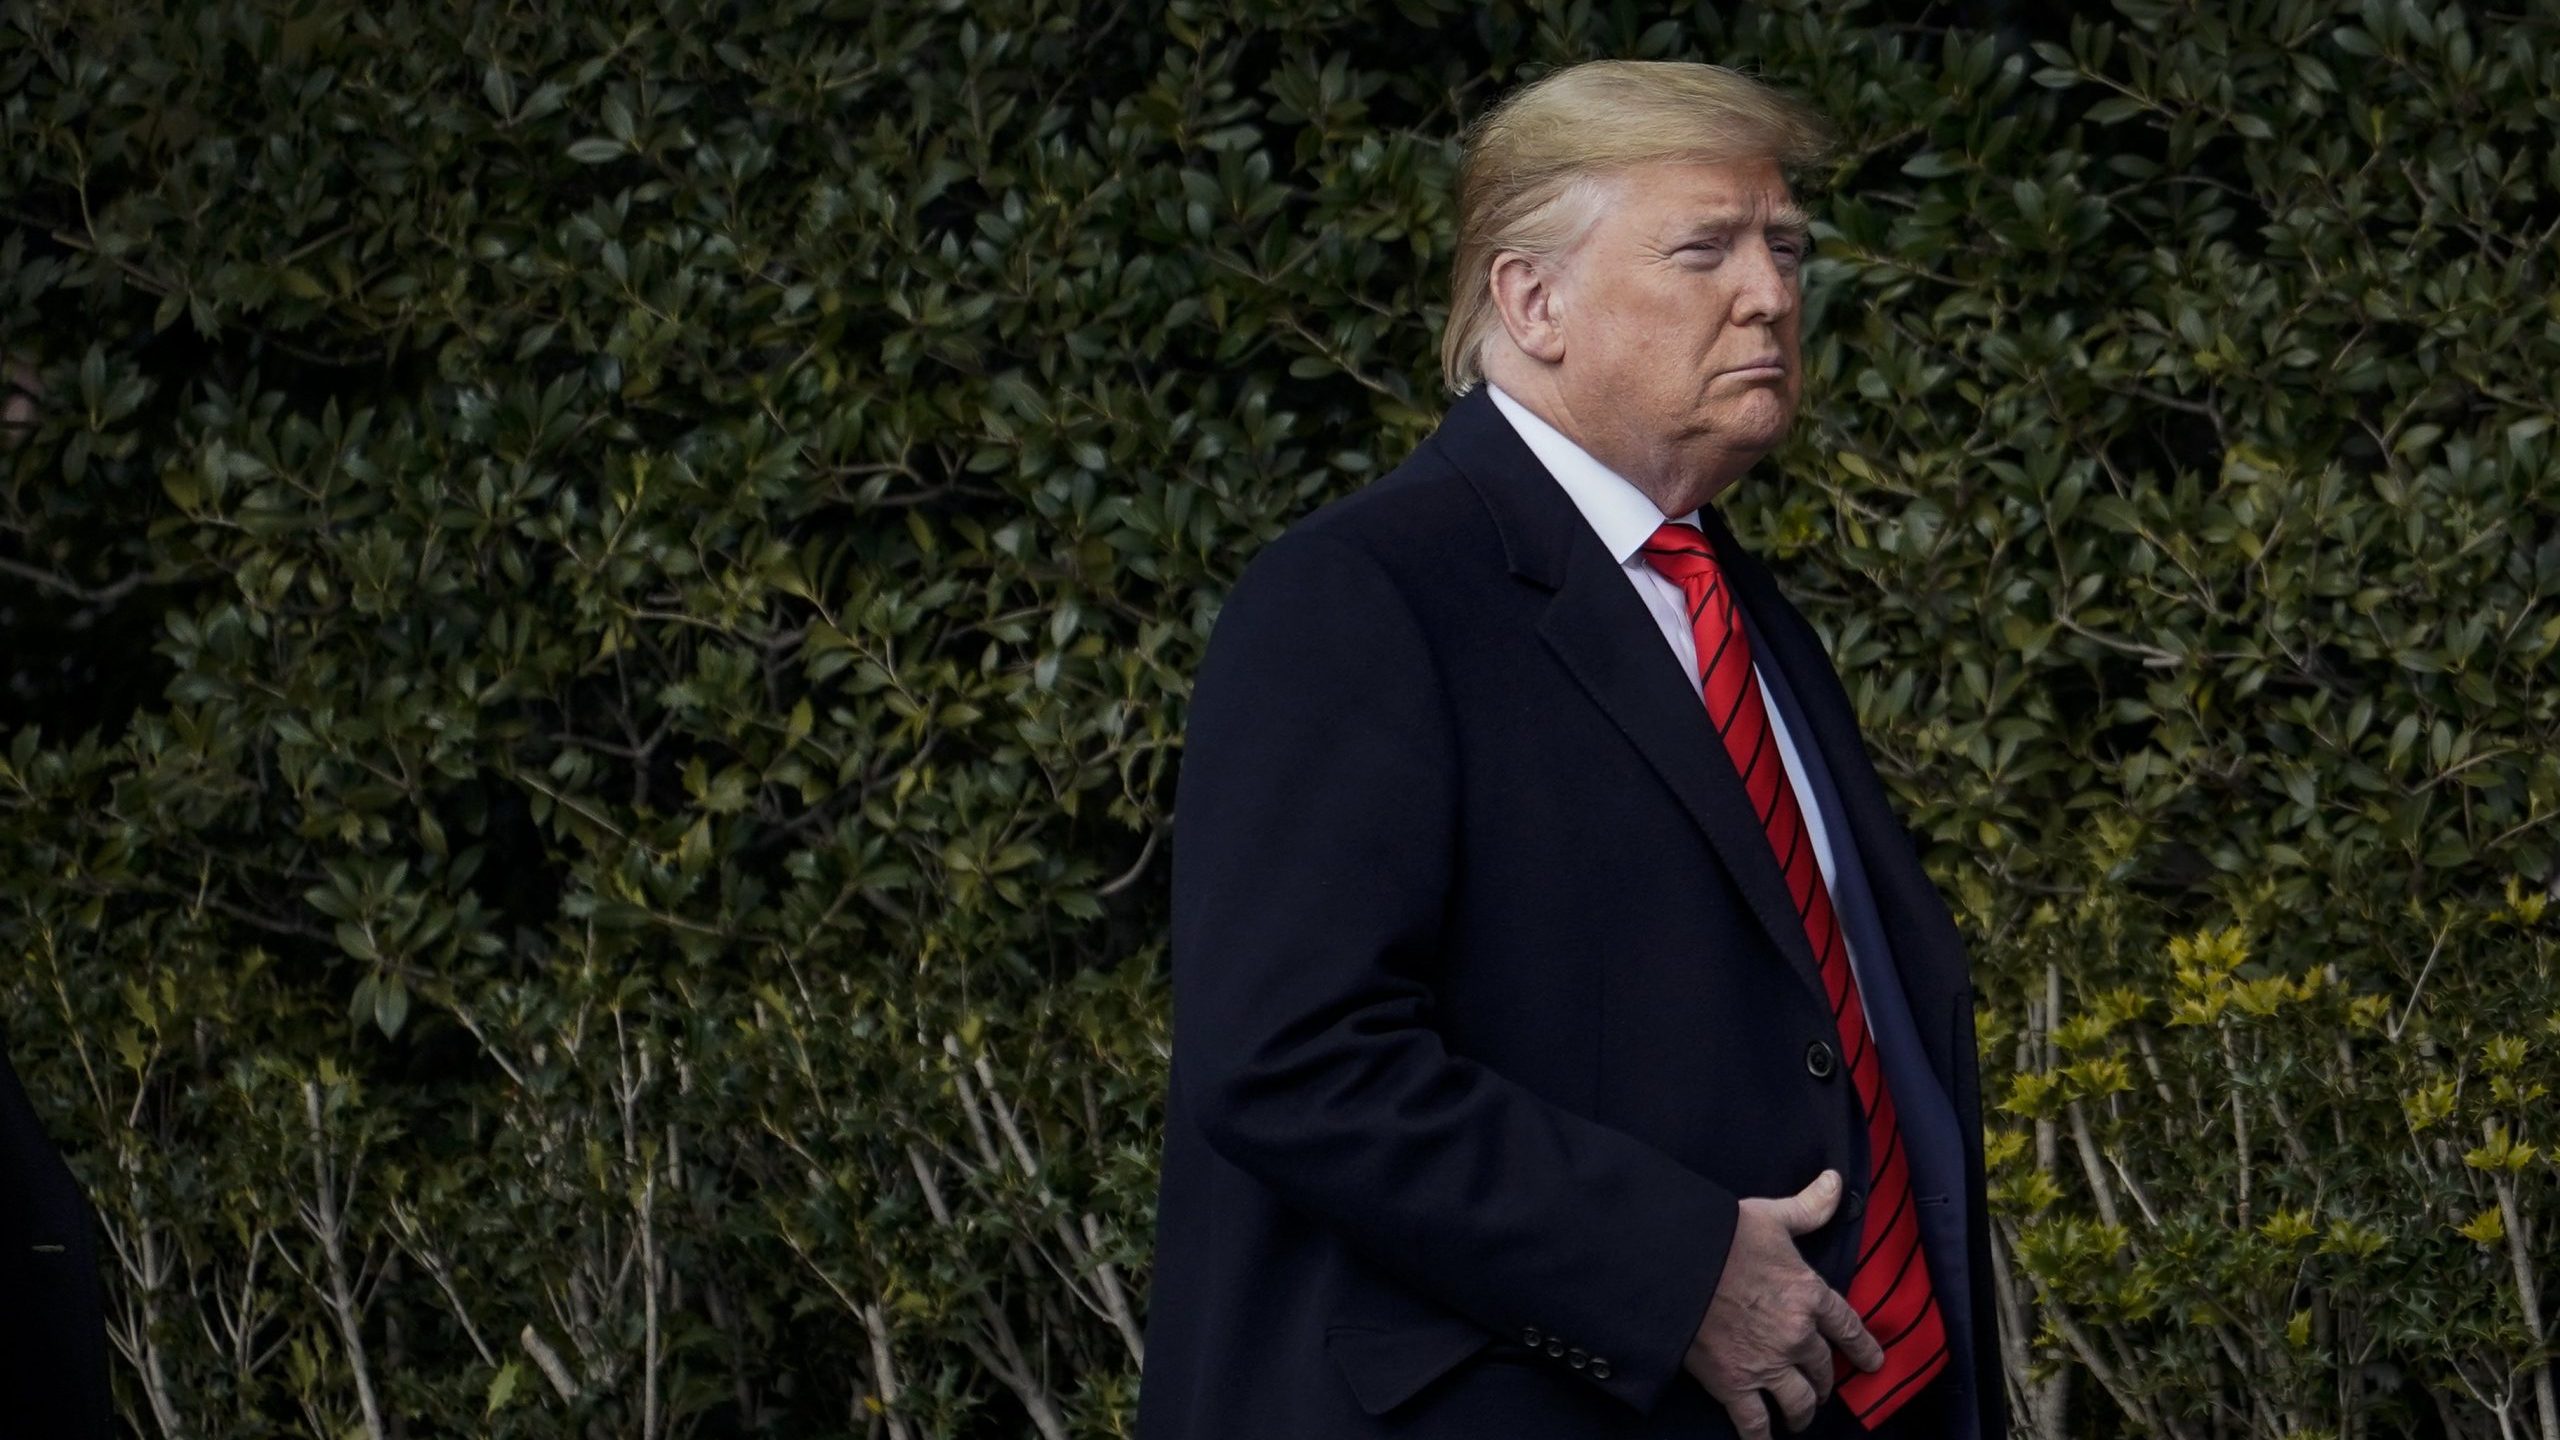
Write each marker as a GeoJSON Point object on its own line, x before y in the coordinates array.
{"type": "Point", "coordinates": [598, 600]}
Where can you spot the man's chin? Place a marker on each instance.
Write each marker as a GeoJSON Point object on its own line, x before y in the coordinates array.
{"type": "Point", "coordinates": [1758, 429]}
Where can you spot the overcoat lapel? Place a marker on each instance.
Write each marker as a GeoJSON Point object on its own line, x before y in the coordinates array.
{"type": "Point", "coordinates": [1600, 629]}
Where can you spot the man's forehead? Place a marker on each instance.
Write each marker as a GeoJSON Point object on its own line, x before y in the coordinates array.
{"type": "Point", "coordinates": [1696, 192]}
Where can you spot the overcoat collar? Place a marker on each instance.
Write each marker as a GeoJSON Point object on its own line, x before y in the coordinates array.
{"type": "Point", "coordinates": [1598, 626]}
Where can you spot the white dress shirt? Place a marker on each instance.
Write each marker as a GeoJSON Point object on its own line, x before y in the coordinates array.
{"type": "Point", "coordinates": [1625, 518]}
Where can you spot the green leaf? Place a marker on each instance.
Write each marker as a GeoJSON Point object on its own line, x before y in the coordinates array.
{"type": "Point", "coordinates": [502, 1387]}
{"type": "Point", "coordinates": [391, 1005]}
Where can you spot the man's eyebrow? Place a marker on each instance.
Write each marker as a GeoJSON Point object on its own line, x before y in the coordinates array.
{"type": "Point", "coordinates": [1788, 219]}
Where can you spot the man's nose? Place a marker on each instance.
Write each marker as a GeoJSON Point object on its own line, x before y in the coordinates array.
{"type": "Point", "coordinates": [1767, 294]}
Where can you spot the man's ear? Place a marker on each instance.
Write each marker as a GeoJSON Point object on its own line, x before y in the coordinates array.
{"type": "Point", "coordinates": [1532, 307]}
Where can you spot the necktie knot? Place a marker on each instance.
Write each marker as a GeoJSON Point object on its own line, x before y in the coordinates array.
{"type": "Point", "coordinates": [1682, 554]}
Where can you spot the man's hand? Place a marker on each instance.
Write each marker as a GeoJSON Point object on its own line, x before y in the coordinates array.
{"type": "Point", "coordinates": [1771, 1322]}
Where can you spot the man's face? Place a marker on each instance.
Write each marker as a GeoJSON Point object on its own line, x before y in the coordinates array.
{"type": "Point", "coordinates": [1680, 315]}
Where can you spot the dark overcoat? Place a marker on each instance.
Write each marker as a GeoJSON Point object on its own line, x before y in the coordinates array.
{"type": "Point", "coordinates": [1490, 998]}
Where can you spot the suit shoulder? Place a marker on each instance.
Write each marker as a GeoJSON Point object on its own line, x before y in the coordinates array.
{"type": "Point", "coordinates": [1419, 517]}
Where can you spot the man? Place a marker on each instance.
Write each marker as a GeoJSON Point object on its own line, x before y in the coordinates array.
{"type": "Point", "coordinates": [1567, 1040]}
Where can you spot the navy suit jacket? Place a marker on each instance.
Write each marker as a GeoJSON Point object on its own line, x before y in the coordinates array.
{"type": "Point", "coordinates": [1489, 997]}
{"type": "Point", "coordinates": [1923, 1110]}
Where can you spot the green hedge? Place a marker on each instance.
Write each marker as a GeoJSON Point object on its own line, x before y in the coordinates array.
{"type": "Point", "coordinates": [598, 604]}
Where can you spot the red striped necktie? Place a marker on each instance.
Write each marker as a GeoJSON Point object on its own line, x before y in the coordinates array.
{"type": "Point", "coordinates": [1890, 1288]}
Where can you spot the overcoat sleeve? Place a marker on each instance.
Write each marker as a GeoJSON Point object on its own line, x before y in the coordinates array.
{"type": "Point", "coordinates": [1317, 833]}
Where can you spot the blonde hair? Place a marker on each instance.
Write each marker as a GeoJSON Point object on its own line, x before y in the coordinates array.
{"type": "Point", "coordinates": [1537, 163]}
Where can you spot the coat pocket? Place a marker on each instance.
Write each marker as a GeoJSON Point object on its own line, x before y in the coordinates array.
{"type": "Point", "coordinates": [1389, 1342]}
{"type": "Point", "coordinates": [1385, 1368]}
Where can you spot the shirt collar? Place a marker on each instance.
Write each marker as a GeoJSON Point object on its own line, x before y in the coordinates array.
{"type": "Point", "coordinates": [1623, 516]}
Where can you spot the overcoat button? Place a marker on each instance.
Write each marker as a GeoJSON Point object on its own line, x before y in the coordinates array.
{"type": "Point", "coordinates": [1599, 1368]}
{"type": "Point", "coordinates": [1818, 1060]}
{"type": "Point", "coordinates": [1530, 1337]}
{"type": "Point", "coordinates": [1857, 1204]}
{"type": "Point", "coordinates": [1577, 1357]}
{"type": "Point", "coordinates": [1554, 1346]}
